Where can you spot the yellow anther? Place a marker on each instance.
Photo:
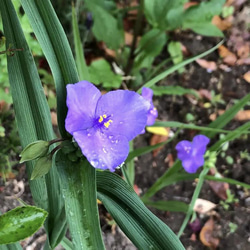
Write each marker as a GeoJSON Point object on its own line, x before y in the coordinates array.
{"type": "Point", "coordinates": [101, 119]}
{"type": "Point", "coordinates": [107, 124]}
{"type": "Point", "coordinates": [104, 116]}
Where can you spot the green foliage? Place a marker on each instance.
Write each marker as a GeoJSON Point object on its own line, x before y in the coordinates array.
{"type": "Point", "coordinates": [150, 45]}
{"type": "Point", "coordinates": [100, 73]}
{"type": "Point", "coordinates": [174, 49]}
{"type": "Point", "coordinates": [198, 17]}
{"type": "Point", "coordinates": [20, 223]}
{"type": "Point", "coordinates": [106, 27]}
{"type": "Point", "coordinates": [169, 15]}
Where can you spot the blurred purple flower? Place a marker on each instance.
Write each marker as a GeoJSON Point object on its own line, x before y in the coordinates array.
{"type": "Point", "coordinates": [152, 112]}
{"type": "Point", "coordinates": [192, 153]}
{"type": "Point", "coordinates": [102, 125]}
{"type": "Point", "coordinates": [89, 21]}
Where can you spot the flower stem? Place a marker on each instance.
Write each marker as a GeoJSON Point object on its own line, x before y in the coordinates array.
{"type": "Point", "coordinates": [194, 198]}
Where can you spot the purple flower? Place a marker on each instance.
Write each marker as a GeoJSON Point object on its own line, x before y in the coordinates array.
{"type": "Point", "coordinates": [192, 153]}
{"type": "Point", "coordinates": [152, 112]}
{"type": "Point", "coordinates": [103, 125]}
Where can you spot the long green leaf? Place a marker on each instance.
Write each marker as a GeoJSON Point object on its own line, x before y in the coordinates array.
{"type": "Point", "coordinates": [79, 53]}
{"type": "Point", "coordinates": [176, 67]}
{"type": "Point", "coordinates": [172, 206]}
{"type": "Point", "coordinates": [143, 228]}
{"type": "Point", "coordinates": [173, 124]}
{"type": "Point", "coordinates": [33, 118]}
{"type": "Point", "coordinates": [79, 189]}
{"type": "Point", "coordinates": [55, 46]}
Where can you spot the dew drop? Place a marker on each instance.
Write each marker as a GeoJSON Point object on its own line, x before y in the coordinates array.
{"type": "Point", "coordinates": [88, 134]}
{"type": "Point", "coordinates": [94, 163]}
{"type": "Point", "coordinates": [121, 122]}
{"type": "Point", "coordinates": [111, 136]}
{"type": "Point", "coordinates": [116, 141]}
{"type": "Point", "coordinates": [104, 150]}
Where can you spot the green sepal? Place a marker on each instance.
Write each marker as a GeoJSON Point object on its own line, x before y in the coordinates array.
{"type": "Point", "coordinates": [42, 167]}
{"type": "Point", "coordinates": [34, 150]}
{"type": "Point", "coordinates": [20, 223]}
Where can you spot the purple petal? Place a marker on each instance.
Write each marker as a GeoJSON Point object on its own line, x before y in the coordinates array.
{"type": "Point", "coordinates": [199, 144]}
{"type": "Point", "coordinates": [190, 165]}
{"type": "Point", "coordinates": [152, 115]}
{"type": "Point", "coordinates": [127, 110]}
{"type": "Point", "coordinates": [82, 99]}
{"type": "Point", "coordinates": [103, 151]}
{"type": "Point", "coordinates": [201, 139]}
{"type": "Point", "coordinates": [147, 94]}
{"type": "Point", "coordinates": [184, 150]}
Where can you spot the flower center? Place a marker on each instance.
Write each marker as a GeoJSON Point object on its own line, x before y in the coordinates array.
{"type": "Point", "coordinates": [104, 120]}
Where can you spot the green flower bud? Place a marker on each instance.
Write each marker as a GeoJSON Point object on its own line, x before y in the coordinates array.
{"type": "Point", "coordinates": [42, 167]}
{"type": "Point", "coordinates": [34, 150]}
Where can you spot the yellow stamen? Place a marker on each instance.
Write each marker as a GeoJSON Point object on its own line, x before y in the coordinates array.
{"type": "Point", "coordinates": [107, 124]}
{"type": "Point", "coordinates": [104, 116]}
{"type": "Point", "coordinates": [101, 119]}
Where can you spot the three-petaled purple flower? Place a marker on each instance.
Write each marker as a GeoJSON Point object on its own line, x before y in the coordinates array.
{"type": "Point", "coordinates": [147, 94]}
{"type": "Point", "coordinates": [103, 125]}
{"type": "Point", "coordinates": [192, 153]}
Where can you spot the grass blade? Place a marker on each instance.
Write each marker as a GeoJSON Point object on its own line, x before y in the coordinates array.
{"type": "Point", "coordinates": [164, 74]}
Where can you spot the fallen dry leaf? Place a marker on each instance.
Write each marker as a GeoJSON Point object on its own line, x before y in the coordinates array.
{"type": "Point", "coordinates": [243, 61]}
{"type": "Point", "coordinates": [243, 115]}
{"type": "Point", "coordinates": [202, 206]}
{"type": "Point", "coordinates": [222, 24]}
{"type": "Point", "coordinates": [155, 139]}
{"type": "Point", "coordinates": [4, 106]}
{"type": "Point", "coordinates": [219, 188]}
{"type": "Point", "coordinates": [53, 118]}
{"type": "Point", "coordinates": [206, 235]}
{"type": "Point", "coordinates": [209, 65]}
{"type": "Point", "coordinates": [206, 94]}
{"type": "Point", "coordinates": [189, 4]}
{"type": "Point", "coordinates": [235, 3]}
{"type": "Point", "coordinates": [243, 51]}
{"type": "Point", "coordinates": [170, 160]}
{"type": "Point", "coordinates": [228, 56]}
{"type": "Point", "coordinates": [246, 76]}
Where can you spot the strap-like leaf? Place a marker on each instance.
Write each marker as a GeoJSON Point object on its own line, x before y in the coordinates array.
{"type": "Point", "coordinates": [79, 190]}
{"type": "Point", "coordinates": [55, 46]}
{"type": "Point", "coordinates": [143, 228]}
{"type": "Point", "coordinates": [33, 118]}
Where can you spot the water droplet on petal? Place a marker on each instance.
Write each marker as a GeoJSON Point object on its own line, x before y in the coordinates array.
{"type": "Point", "coordinates": [121, 122]}
{"type": "Point", "coordinates": [111, 136]}
{"type": "Point", "coordinates": [88, 134]}
{"type": "Point", "coordinates": [116, 141]}
{"type": "Point", "coordinates": [94, 163]}
{"type": "Point", "coordinates": [104, 150]}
